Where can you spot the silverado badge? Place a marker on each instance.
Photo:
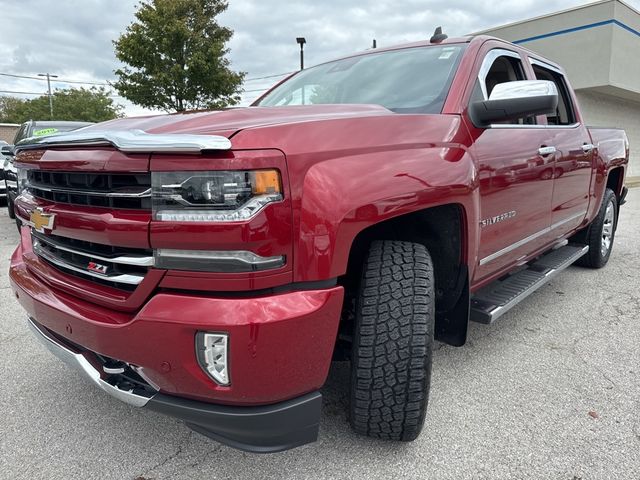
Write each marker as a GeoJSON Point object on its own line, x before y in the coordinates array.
{"type": "Point", "coordinates": [41, 220]}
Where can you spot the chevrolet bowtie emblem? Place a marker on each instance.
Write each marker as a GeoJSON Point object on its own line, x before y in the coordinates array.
{"type": "Point", "coordinates": [41, 220]}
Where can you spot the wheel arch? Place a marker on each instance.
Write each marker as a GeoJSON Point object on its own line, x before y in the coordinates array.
{"type": "Point", "coordinates": [615, 180]}
{"type": "Point", "coordinates": [443, 230]}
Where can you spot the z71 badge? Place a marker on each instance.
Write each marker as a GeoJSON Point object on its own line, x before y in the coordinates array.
{"type": "Point", "coordinates": [498, 218]}
{"type": "Point", "coordinates": [97, 268]}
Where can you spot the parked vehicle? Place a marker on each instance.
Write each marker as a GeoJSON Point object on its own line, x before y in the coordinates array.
{"type": "Point", "coordinates": [41, 128]}
{"type": "Point", "coordinates": [3, 161]}
{"type": "Point", "coordinates": [26, 130]}
{"type": "Point", "coordinates": [209, 266]}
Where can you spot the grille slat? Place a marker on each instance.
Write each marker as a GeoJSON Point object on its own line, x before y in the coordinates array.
{"type": "Point", "coordinates": [118, 191]}
{"type": "Point", "coordinates": [119, 267]}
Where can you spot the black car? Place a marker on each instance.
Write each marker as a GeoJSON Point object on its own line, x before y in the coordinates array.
{"type": "Point", "coordinates": [4, 146]}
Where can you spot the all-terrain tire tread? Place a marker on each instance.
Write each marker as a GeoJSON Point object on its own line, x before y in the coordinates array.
{"type": "Point", "coordinates": [393, 341]}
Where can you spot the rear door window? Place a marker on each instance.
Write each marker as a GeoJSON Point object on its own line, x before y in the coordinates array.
{"type": "Point", "coordinates": [564, 114]}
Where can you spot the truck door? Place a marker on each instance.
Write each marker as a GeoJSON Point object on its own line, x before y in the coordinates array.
{"type": "Point", "coordinates": [515, 165]}
{"type": "Point", "coordinates": [573, 167]}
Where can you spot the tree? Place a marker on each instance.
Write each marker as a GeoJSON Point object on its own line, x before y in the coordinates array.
{"type": "Point", "coordinates": [76, 104]}
{"type": "Point", "coordinates": [8, 108]}
{"type": "Point", "coordinates": [175, 53]}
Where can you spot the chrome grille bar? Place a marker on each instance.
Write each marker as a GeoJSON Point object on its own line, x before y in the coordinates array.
{"type": "Point", "coordinates": [135, 260]}
{"type": "Point", "coordinates": [77, 191]}
{"type": "Point", "coordinates": [39, 248]}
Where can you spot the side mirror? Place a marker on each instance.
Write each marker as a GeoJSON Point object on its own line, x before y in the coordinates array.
{"type": "Point", "coordinates": [515, 100]}
{"type": "Point", "coordinates": [7, 150]}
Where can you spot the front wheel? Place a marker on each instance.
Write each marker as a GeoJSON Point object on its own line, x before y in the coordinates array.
{"type": "Point", "coordinates": [601, 233]}
{"type": "Point", "coordinates": [393, 341]}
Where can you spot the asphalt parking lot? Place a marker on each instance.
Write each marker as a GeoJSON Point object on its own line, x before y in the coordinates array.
{"type": "Point", "coordinates": [552, 390]}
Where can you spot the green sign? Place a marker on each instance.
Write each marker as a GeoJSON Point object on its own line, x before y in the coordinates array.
{"type": "Point", "coordinates": [45, 131]}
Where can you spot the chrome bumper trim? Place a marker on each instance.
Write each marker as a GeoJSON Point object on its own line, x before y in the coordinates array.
{"type": "Point", "coordinates": [79, 362]}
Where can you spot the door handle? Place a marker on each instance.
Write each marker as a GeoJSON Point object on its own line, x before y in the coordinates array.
{"type": "Point", "coordinates": [544, 151]}
{"type": "Point", "coordinates": [587, 147]}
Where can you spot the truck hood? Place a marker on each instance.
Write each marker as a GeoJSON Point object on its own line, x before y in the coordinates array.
{"type": "Point", "coordinates": [231, 121]}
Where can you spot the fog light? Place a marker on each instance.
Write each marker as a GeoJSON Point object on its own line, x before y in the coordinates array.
{"type": "Point", "coordinates": [212, 350]}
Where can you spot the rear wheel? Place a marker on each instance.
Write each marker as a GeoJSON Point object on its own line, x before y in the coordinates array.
{"type": "Point", "coordinates": [600, 234]}
{"type": "Point", "coordinates": [393, 341]}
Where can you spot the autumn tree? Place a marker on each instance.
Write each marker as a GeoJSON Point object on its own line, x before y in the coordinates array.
{"type": "Point", "coordinates": [74, 104]}
{"type": "Point", "coordinates": [175, 57]}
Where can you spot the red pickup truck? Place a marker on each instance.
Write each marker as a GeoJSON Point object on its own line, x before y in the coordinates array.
{"type": "Point", "coordinates": [210, 265]}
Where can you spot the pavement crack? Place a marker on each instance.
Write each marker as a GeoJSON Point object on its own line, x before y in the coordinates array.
{"type": "Point", "coordinates": [168, 458]}
{"type": "Point", "coordinates": [206, 455]}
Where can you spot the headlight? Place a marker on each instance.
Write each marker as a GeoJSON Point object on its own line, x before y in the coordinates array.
{"type": "Point", "coordinates": [23, 179]}
{"type": "Point", "coordinates": [217, 196]}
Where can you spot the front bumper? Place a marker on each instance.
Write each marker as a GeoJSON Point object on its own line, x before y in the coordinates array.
{"type": "Point", "coordinates": [280, 349]}
{"type": "Point", "coordinates": [262, 429]}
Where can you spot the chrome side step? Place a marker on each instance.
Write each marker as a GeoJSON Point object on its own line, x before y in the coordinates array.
{"type": "Point", "coordinates": [494, 300]}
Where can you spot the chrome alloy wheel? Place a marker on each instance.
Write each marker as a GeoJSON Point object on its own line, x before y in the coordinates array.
{"type": "Point", "coordinates": [607, 229]}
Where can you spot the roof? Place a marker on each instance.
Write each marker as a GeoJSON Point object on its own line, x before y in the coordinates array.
{"type": "Point", "coordinates": [553, 14]}
{"type": "Point", "coordinates": [61, 123]}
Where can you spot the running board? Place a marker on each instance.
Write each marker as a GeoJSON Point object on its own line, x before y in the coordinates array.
{"type": "Point", "coordinates": [496, 299]}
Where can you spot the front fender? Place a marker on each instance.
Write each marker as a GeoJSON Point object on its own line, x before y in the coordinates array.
{"type": "Point", "coordinates": [343, 196]}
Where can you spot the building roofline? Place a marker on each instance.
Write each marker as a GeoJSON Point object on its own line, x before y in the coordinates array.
{"type": "Point", "coordinates": [552, 14]}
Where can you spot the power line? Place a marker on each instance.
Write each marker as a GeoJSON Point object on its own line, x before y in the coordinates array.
{"type": "Point", "coordinates": [58, 80]}
{"type": "Point", "coordinates": [106, 84]}
{"type": "Point", "coordinates": [268, 76]}
{"type": "Point", "coordinates": [23, 93]}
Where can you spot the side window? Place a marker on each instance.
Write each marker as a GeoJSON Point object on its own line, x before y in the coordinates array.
{"type": "Point", "coordinates": [500, 66]}
{"type": "Point", "coordinates": [564, 114]}
{"type": "Point", "coordinates": [20, 134]}
{"type": "Point", "coordinates": [503, 70]}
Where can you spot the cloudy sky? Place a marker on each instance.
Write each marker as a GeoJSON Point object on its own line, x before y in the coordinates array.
{"type": "Point", "coordinates": [73, 38]}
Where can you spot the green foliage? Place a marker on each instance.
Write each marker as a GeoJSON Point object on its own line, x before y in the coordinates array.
{"type": "Point", "coordinates": [74, 104]}
{"type": "Point", "coordinates": [9, 106]}
{"type": "Point", "coordinates": [175, 53]}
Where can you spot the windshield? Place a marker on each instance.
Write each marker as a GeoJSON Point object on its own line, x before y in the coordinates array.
{"type": "Point", "coordinates": [410, 80]}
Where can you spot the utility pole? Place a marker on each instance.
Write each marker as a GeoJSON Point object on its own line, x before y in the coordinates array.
{"type": "Point", "coordinates": [301, 41]}
{"type": "Point", "coordinates": [49, 77]}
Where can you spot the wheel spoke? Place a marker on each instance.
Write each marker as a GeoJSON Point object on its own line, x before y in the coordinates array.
{"type": "Point", "coordinates": [607, 229]}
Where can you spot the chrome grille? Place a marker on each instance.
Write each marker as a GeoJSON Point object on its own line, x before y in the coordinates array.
{"type": "Point", "coordinates": [118, 267]}
{"type": "Point", "coordinates": [117, 190]}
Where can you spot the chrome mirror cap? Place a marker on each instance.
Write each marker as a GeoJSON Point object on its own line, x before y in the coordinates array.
{"type": "Point", "coordinates": [523, 89]}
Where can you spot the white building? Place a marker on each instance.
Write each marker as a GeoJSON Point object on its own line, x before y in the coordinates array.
{"type": "Point", "coordinates": [599, 46]}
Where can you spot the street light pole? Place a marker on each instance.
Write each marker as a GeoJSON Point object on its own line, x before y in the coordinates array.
{"type": "Point", "coordinates": [49, 77]}
{"type": "Point", "coordinates": [301, 41]}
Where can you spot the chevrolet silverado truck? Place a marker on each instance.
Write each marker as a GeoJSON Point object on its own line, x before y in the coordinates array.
{"type": "Point", "coordinates": [211, 265]}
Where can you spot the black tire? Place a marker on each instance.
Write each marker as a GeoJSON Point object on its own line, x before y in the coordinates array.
{"type": "Point", "coordinates": [598, 256]}
{"type": "Point", "coordinates": [393, 341]}
{"type": "Point", "coordinates": [10, 208]}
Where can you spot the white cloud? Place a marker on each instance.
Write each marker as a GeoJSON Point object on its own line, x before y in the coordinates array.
{"type": "Point", "coordinates": [73, 38]}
